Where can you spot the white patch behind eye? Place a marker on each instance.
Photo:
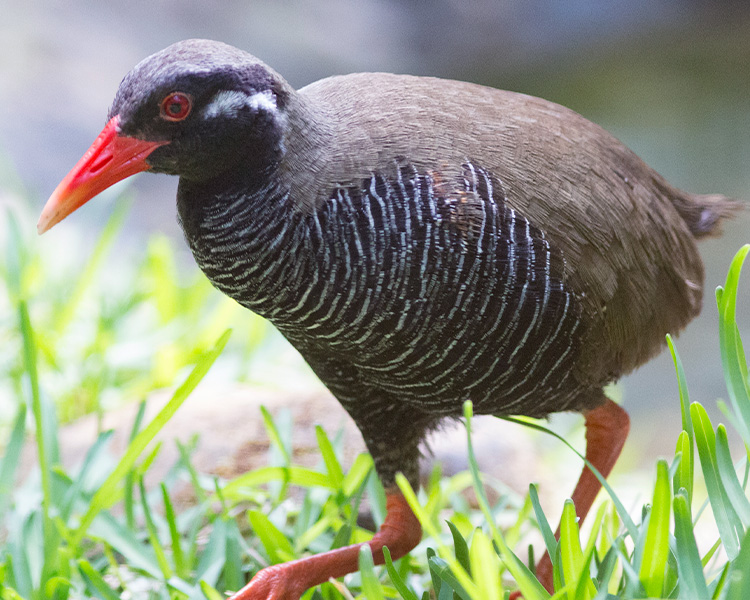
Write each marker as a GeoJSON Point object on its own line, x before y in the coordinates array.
{"type": "Point", "coordinates": [230, 102]}
{"type": "Point", "coordinates": [263, 101]}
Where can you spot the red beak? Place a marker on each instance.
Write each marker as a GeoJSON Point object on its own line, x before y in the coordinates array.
{"type": "Point", "coordinates": [111, 158]}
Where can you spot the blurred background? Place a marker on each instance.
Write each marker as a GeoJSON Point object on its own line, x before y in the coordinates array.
{"type": "Point", "coordinates": [671, 78]}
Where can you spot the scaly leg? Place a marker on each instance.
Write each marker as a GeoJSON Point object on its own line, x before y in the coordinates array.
{"type": "Point", "coordinates": [400, 532]}
{"type": "Point", "coordinates": [607, 429]}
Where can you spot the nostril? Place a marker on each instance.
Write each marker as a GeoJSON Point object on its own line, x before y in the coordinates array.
{"type": "Point", "coordinates": [100, 163]}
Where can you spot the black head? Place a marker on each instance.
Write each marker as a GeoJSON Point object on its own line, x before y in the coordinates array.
{"type": "Point", "coordinates": [196, 109]}
{"type": "Point", "coordinates": [213, 104]}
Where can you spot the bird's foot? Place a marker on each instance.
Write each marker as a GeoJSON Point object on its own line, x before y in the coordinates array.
{"type": "Point", "coordinates": [288, 581]}
{"type": "Point", "coordinates": [277, 582]}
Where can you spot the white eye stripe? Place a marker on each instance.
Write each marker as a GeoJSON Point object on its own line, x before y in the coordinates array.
{"type": "Point", "coordinates": [263, 101]}
{"type": "Point", "coordinates": [230, 102]}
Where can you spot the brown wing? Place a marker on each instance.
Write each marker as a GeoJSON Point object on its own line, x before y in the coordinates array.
{"type": "Point", "coordinates": [629, 254]}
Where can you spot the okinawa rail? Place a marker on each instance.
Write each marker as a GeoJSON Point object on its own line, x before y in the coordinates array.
{"type": "Point", "coordinates": [421, 242]}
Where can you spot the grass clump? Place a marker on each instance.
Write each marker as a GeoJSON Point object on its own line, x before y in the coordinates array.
{"type": "Point", "coordinates": [96, 532]}
{"type": "Point", "coordinates": [110, 325]}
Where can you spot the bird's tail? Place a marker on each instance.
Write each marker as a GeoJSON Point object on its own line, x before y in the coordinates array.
{"type": "Point", "coordinates": [703, 213]}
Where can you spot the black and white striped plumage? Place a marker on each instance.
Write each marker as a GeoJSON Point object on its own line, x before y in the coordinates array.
{"type": "Point", "coordinates": [422, 242]}
{"type": "Point", "coordinates": [403, 301]}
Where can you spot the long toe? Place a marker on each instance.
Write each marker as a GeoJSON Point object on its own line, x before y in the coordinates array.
{"type": "Point", "coordinates": [276, 582]}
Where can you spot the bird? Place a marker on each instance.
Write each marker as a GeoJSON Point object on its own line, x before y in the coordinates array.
{"type": "Point", "coordinates": [421, 242]}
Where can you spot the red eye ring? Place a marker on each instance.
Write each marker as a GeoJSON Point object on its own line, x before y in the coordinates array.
{"type": "Point", "coordinates": [176, 106]}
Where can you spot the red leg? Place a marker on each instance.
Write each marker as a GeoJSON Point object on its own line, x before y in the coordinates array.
{"type": "Point", "coordinates": [607, 429]}
{"type": "Point", "coordinates": [288, 581]}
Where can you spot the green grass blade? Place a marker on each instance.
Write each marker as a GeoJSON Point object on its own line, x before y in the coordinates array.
{"type": "Point", "coordinates": [449, 580]}
{"type": "Point", "coordinates": [514, 532]}
{"type": "Point", "coordinates": [276, 439]}
{"type": "Point", "coordinates": [210, 592]}
{"type": "Point", "coordinates": [153, 535]}
{"type": "Point", "coordinates": [732, 354]}
{"type": "Point", "coordinates": [333, 466]}
{"type": "Point", "coordinates": [656, 546]}
{"type": "Point", "coordinates": [687, 424]}
{"type": "Point", "coordinates": [428, 526]}
{"type": "Point", "coordinates": [738, 586]}
{"type": "Point", "coordinates": [732, 486]}
{"type": "Point", "coordinates": [357, 476]}
{"type": "Point", "coordinates": [527, 583]}
{"type": "Point", "coordinates": [590, 549]}
{"type": "Point", "coordinates": [95, 581]}
{"type": "Point", "coordinates": [727, 520]}
{"type": "Point", "coordinates": [16, 258]}
{"type": "Point", "coordinates": [585, 589]}
{"type": "Point", "coordinates": [719, 582]}
{"type": "Point", "coordinates": [200, 494]}
{"type": "Point", "coordinates": [10, 460]}
{"type": "Point", "coordinates": [233, 576]}
{"type": "Point", "coordinates": [352, 504]}
{"type": "Point", "coordinates": [731, 416]}
{"type": "Point", "coordinates": [236, 489]}
{"type": "Point", "coordinates": [178, 557]}
{"type": "Point", "coordinates": [57, 588]}
{"type": "Point", "coordinates": [549, 537]}
{"type": "Point", "coordinates": [683, 476]}
{"type": "Point", "coordinates": [691, 578]}
{"type": "Point", "coordinates": [213, 557]}
{"type": "Point", "coordinates": [130, 478]}
{"type": "Point", "coordinates": [437, 583]}
{"type": "Point", "coordinates": [93, 454]}
{"type": "Point", "coordinates": [396, 579]}
{"type": "Point", "coordinates": [46, 444]}
{"type": "Point", "coordinates": [708, 556]}
{"type": "Point", "coordinates": [485, 566]}
{"type": "Point", "coordinates": [687, 447]}
{"type": "Point", "coordinates": [11, 594]}
{"type": "Point", "coordinates": [460, 548]}
{"type": "Point", "coordinates": [343, 537]}
{"type": "Point", "coordinates": [30, 365]}
{"type": "Point", "coordinates": [606, 568]}
{"type": "Point", "coordinates": [126, 542]}
{"type": "Point", "coordinates": [571, 553]}
{"type": "Point", "coordinates": [633, 587]}
{"type": "Point", "coordinates": [276, 544]}
{"type": "Point", "coordinates": [375, 492]}
{"type": "Point", "coordinates": [318, 522]}
{"type": "Point", "coordinates": [370, 585]}
{"type": "Point", "coordinates": [280, 450]}
{"type": "Point", "coordinates": [16, 555]}
{"type": "Point", "coordinates": [103, 497]}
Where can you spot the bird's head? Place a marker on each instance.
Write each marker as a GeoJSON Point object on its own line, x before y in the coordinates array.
{"type": "Point", "coordinates": [195, 109]}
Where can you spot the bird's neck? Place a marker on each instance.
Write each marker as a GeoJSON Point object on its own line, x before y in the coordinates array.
{"type": "Point", "coordinates": [247, 227]}
{"type": "Point", "coordinates": [243, 231]}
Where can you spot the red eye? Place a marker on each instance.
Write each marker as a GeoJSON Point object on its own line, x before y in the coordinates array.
{"type": "Point", "coordinates": [176, 106]}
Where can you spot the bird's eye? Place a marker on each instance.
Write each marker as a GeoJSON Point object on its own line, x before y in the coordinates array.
{"type": "Point", "coordinates": [176, 106]}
